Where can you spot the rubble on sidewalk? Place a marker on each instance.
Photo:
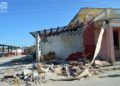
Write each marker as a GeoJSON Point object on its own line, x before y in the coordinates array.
{"type": "Point", "coordinates": [41, 72]}
{"type": "Point", "coordinates": [102, 63]}
{"type": "Point", "coordinates": [58, 70]}
{"type": "Point", "coordinates": [47, 57]}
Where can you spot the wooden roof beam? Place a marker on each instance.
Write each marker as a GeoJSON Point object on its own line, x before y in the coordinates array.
{"type": "Point", "coordinates": [57, 31]}
{"type": "Point", "coordinates": [50, 32]}
{"type": "Point", "coordinates": [64, 29]}
{"type": "Point", "coordinates": [45, 34]}
{"type": "Point", "coordinates": [39, 33]}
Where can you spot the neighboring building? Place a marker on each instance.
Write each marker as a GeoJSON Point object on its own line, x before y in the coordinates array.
{"type": "Point", "coordinates": [59, 40]}
{"type": "Point", "coordinates": [82, 33]}
{"type": "Point", "coordinates": [7, 50]}
{"type": "Point", "coordinates": [18, 52]}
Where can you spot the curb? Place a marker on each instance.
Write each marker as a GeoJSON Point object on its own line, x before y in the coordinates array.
{"type": "Point", "coordinates": [116, 67]}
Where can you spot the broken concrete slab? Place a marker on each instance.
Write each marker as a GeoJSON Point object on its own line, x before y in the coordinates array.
{"type": "Point", "coordinates": [58, 70]}
{"type": "Point", "coordinates": [102, 63]}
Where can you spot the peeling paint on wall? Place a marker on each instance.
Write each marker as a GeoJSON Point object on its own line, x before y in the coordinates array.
{"type": "Point", "coordinates": [64, 44]}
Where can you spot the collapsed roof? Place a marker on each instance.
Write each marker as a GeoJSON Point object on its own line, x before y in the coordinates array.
{"type": "Point", "coordinates": [95, 14]}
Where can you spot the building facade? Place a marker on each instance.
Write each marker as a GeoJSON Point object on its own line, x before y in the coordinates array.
{"type": "Point", "coordinates": [82, 33]}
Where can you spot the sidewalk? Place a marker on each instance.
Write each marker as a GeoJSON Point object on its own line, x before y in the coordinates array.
{"type": "Point", "coordinates": [7, 60]}
{"type": "Point", "coordinates": [10, 58]}
{"type": "Point", "coordinates": [113, 67]}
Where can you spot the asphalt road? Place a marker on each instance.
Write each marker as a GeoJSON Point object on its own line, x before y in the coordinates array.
{"type": "Point", "coordinates": [109, 78]}
{"type": "Point", "coordinates": [4, 61]}
{"type": "Point", "coordinates": [7, 59]}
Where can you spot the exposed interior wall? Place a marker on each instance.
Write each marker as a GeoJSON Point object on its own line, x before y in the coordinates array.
{"type": "Point", "coordinates": [88, 38]}
{"type": "Point", "coordinates": [63, 44]}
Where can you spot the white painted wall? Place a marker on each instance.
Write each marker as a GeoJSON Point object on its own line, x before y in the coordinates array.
{"type": "Point", "coordinates": [18, 51]}
{"type": "Point", "coordinates": [63, 44]}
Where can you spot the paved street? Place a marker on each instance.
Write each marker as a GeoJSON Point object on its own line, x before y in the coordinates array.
{"type": "Point", "coordinates": [109, 78]}
{"type": "Point", "coordinates": [4, 61]}
{"type": "Point", "coordinates": [7, 59]}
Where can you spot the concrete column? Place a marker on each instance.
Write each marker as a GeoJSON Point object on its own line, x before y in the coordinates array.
{"type": "Point", "coordinates": [110, 43]}
{"type": "Point", "coordinates": [8, 50]}
{"type": "Point", "coordinates": [119, 38]}
{"type": "Point", "coordinates": [3, 49]}
{"type": "Point", "coordinates": [11, 50]}
{"type": "Point", "coordinates": [38, 50]}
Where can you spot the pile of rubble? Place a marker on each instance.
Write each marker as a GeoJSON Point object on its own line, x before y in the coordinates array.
{"type": "Point", "coordinates": [37, 73]}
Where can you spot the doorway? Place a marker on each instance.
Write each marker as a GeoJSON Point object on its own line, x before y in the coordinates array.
{"type": "Point", "coordinates": [116, 40]}
{"type": "Point", "coordinates": [116, 44]}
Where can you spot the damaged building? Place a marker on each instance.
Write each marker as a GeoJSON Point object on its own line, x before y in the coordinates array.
{"type": "Point", "coordinates": [79, 38]}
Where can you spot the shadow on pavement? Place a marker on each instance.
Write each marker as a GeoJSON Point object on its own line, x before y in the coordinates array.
{"type": "Point", "coordinates": [111, 76]}
{"type": "Point", "coordinates": [20, 61]}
